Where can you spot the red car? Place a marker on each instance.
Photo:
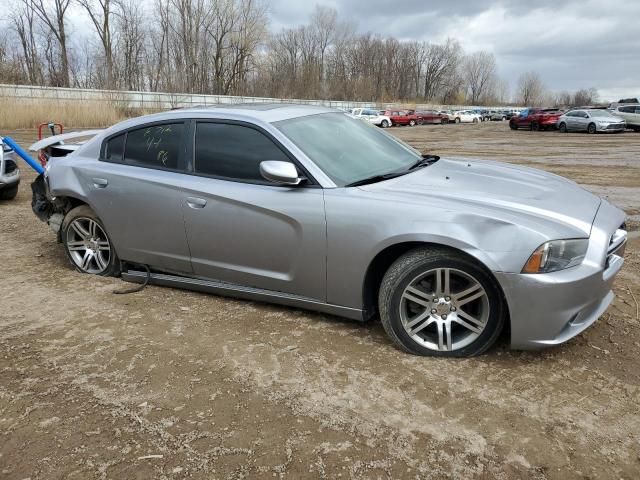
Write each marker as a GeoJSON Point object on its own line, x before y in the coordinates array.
{"type": "Point", "coordinates": [431, 116]}
{"type": "Point", "coordinates": [402, 117]}
{"type": "Point", "coordinates": [535, 119]}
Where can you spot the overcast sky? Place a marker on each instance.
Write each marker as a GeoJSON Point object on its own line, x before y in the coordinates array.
{"type": "Point", "coordinates": [573, 44]}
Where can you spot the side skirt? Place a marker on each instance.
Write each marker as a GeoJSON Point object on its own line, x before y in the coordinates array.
{"type": "Point", "coordinates": [239, 291]}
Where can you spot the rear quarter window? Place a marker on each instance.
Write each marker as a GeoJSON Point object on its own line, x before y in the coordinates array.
{"type": "Point", "coordinates": [114, 150]}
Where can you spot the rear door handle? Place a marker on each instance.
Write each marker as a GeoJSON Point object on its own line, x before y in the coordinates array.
{"type": "Point", "coordinates": [100, 182]}
{"type": "Point", "coordinates": [195, 202]}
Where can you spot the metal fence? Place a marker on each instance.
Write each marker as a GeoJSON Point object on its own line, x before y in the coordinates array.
{"type": "Point", "coordinates": [154, 100]}
{"type": "Point", "coordinates": [164, 101]}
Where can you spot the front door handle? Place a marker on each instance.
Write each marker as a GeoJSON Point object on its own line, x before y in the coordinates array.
{"type": "Point", "coordinates": [100, 182]}
{"type": "Point", "coordinates": [195, 202]}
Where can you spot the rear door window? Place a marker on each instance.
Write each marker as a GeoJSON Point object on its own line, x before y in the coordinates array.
{"type": "Point", "coordinates": [155, 146]}
{"type": "Point", "coordinates": [233, 152]}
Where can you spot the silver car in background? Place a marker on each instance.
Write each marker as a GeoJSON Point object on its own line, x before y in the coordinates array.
{"type": "Point", "coordinates": [307, 207]}
{"type": "Point", "coordinates": [590, 121]}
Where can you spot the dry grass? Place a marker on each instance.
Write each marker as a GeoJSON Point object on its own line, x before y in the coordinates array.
{"type": "Point", "coordinates": [29, 113]}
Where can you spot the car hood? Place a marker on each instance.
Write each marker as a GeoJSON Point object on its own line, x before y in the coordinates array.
{"type": "Point", "coordinates": [608, 119]}
{"type": "Point", "coordinates": [498, 186]}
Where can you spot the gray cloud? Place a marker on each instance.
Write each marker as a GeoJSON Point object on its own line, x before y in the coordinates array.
{"type": "Point", "coordinates": [573, 44]}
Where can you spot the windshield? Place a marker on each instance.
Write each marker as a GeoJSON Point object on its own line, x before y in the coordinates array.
{"type": "Point", "coordinates": [348, 150]}
{"type": "Point", "coordinates": [601, 113]}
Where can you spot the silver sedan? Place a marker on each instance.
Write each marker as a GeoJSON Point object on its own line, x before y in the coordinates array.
{"type": "Point", "coordinates": [591, 121]}
{"type": "Point", "coordinates": [307, 207]}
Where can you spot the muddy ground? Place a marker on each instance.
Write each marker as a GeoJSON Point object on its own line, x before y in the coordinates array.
{"type": "Point", "coordinates": [171, 384]}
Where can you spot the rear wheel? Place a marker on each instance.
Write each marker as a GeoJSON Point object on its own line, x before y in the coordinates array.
{"type": "Point", "coordinates": [9, 193]}
{"type": "Point", "coordinates": [475, 119]}
{"type": "Point", "coordinates": [534, 126]}
{"type": "Point", "coordinates": [87, 244]}
{"type": "Point", "coordinates": [457, 120]}
{"type": "Point", "coordinates": [563, 127]}
{"type": "Point", "coordinates": [437, 302]}
{"type": "Point", "coordinates": [591, 128]}
{"type": "Point", "coordinates": [384, 124]}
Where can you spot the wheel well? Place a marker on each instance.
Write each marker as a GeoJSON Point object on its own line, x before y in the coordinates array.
{"type": "Point", "coordinates": [73, 203]}
{"type": "Point", "coordinates": [383, 260]}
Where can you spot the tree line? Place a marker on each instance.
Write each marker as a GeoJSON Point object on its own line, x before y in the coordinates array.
{"type": "Point", "coordinates": [225, 47]}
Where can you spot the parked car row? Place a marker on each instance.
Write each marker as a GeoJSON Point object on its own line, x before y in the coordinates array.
{"type": "Point", "coordinates": [584, 119]}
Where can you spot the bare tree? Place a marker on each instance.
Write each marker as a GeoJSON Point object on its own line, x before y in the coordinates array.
{"type": "Point", "coordinates": [129, 24]}
{"type": "Point", "coordinates": [479, 69]}
{"type": "Point", "coordinates": [530, 91]}
{"type": "Point", "coordinates": [24, 23]}
{"type": "Point", "coordinates": [441, 67]}
{"type": "Point", "coordinates": [55, 22]}
{"type": "Point", "coordinates": [585, 97]}
{"type": "Point", "coordinates": [99, 12]}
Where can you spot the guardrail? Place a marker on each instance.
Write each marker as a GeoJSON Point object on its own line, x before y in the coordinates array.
{"type": "Point", "coordinates": [163, 100]}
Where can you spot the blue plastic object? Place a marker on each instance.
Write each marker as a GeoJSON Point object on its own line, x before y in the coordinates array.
{"type": "Point", "coordinates": [25, 156]}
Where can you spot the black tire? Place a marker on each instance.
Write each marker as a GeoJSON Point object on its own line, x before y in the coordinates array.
{"type": "Point", "coordinates": [384, 124]}
{"type": "Point", "coordinates": [457, 120]}
{"type": "Point", "coordinates": [513, 126]}
{"type": "Point", "coordinates": [84, 213]}
{"type": "Point", "coordinates": [535, 126]}
{"type": "Point", "coordinates": [475, 119]}
{"type": "Point", "coordinates": [412, 123]}
{"type": "Point", "coordinates": [563, 127]}
{"type": "Point", "coordinates": [412, 264]}
{"type": "Point", "coordinates": [592, 128]}
{"type": "Point", "coordinates": [9, 193]}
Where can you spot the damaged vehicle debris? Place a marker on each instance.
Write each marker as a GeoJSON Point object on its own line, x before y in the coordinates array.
{"type": "Point", "coordinates": [306, 207]}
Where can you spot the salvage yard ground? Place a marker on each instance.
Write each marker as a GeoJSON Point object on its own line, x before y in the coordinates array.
{"type": "Point", "coordinates": [168, 384]}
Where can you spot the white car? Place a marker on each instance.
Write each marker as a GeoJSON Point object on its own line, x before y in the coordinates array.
{"type": "Point", "coordinates": [465, 116]}
{"type": "Point", "coordinates": [372, 116]}
{"type": "Point", "coordinates": [630, 114]}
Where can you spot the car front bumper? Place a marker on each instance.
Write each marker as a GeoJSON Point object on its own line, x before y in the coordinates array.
{"type": "Point", "coordinates": [611, 128]}
{"type": "Point", "coordinates": [549, 309]}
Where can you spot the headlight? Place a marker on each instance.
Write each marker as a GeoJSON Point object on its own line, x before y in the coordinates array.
{"type": "Point", "coordinates": [604, 124]}
{"type": "Point", "coordinates": [556, 255]}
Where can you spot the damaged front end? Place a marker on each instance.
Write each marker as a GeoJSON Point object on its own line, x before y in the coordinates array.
{"type": "Point", "coordinates": [48, 209]}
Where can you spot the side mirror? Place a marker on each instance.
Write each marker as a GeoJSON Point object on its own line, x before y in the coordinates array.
{"type": "Point", "coordinates": [283, 173]}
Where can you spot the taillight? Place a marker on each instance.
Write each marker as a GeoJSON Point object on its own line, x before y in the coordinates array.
{"type": "Point", "coordinates": [42, 158]}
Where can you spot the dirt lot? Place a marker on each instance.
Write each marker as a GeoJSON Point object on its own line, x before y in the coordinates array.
{"type": "Point", "coordinates": [171, 384]}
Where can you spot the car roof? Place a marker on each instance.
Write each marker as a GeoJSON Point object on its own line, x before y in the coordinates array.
{"type": "Point", "coordinates": [265, 112]}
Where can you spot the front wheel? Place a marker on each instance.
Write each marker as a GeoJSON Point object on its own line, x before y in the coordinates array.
{"type": "Point", "coordinates": [457, 120]}
{"type": "Point", "coordinates": [563, 127]}
{"type": "Point", "coordinates": [412, 123]}
{"type": "Point", "coordinates": [384, 124]}
{"type": "Point", "coordinates": [440, 303]}
{"type": "Point", "coordinates": [592, 128]}
{"type": "Point", "coordinates": [513, 126]}
{"type": "Point", "coordinates": [87, 245]}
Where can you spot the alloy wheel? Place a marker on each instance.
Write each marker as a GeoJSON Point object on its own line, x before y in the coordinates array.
{"type": "Point", "coordinates": [444, 309]}
{"type": "Point", "coordinates": [88, 245]}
